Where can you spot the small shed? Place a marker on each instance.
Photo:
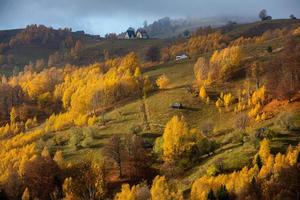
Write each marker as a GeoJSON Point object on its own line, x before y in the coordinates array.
{"type": "Point", "coordinates": [182, 57]}
{"type": "Point", "coordinates": [177, 105]}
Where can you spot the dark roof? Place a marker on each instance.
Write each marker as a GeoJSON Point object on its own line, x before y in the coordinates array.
{"type": "Point", "coordinates": [130, 31]}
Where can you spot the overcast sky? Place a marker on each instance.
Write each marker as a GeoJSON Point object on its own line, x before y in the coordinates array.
{"type": "Point", "coordinates": [102, 16]}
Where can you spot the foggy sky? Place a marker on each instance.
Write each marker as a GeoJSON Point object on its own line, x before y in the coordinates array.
{"type": "Point", "coordinates": [102, 16]}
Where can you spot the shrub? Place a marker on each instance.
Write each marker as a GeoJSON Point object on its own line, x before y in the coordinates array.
{"type": "Point", "coordinates": [88, 138]}
{"type": "Point", "coordinates": [212, 170]}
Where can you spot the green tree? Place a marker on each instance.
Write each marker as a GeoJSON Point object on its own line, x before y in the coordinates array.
{"type": "Point", "coordinates": [13, 115]}
{"type": "Point", "coordinates": [222, 193]}
{"type": "Point", "coordinates": [211, 195]}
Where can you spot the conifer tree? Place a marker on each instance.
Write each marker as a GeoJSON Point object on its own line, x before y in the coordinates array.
{"type": "Point", "coordinates": [211, 195]}
{"type": "Point", "coordinates": [45, 152]}
{"type": "Point", "coordinates": [202, 93]}
{"type": "Point", "coordinates": [222, 193]}
{"type": "Point", "coordinates": [264, 150]}
{"type": "Point", "coordinates": [58, 158]}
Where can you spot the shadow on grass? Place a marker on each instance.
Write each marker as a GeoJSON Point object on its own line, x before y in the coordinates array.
{"type": "Point", "coordinates": [150, 135]}
{"type": "Point", "coordinates": [120, 121]}
{"type": "Point", "coordinates": [222, 132]}
{"type": "Point", "coordinates": [97, 146]}
{"type": "Point", "coordinates": [129, 113]}
{"type": "Point", "coordinates": [101, 137]}
{"type": "Point", "coordinates": [190, 108]}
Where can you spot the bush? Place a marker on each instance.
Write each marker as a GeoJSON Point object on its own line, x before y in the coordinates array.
{"type": "Point", "coordinates": [212, 170]}
{"type": "Point", "coordinates": [157, 148]}
{"type": "Point", "coordinates": [75, 138]}
{"type": "Point", "coordinates": [205, 146]}
{"type": "Point", "coordinates": [88, 138]}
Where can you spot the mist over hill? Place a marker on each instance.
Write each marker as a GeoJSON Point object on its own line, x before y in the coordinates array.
{"type": "Point", "coordinates": [167, 27]}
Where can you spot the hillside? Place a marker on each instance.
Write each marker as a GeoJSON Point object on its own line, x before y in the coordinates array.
{"type": "Point", "coordinates": [16, 57]}
{"type": "Point", "coordinates": [225, 119]}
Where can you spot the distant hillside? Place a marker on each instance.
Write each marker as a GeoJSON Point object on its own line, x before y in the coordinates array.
{"type": "Point", "coordinates": [258, 28]}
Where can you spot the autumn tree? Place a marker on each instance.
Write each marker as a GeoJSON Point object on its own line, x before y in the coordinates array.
{"type": "Point", "coordinates": [42, 176]}
{"type": "Point", "coordinates": [283, 80]}
{"type": "Point", "coordinates": [256, 73]}
{"type": "Point", "coordinates": [114, 150]}
{"type": "Point", "coordinates": [201, 72]}
{"type": "Point", "coordinates": [226, 99]}
{"type": "Point", "coordinates": [67, 189]}
{"type": "Point", "coordinates": [58, 158]}
{"type": "Point", "coordinates": [143, 86]}
{"type": "Point", "coordinates": [163, 82]}
{"type": "Point", "coordinates": [138, 160]}
{"type": "Point", "coordinates": [127, 193]}
{"type": "Point", "coordinates": [161, 190]}
{"type": "Point", "coordinates": [13, 115]}
{"type": "Point", "coordinates": [45, 152]}
{"type": "Point", "coordinates": [87, 181]}
{"type": "Point", "coordinates": [264, 150]}
{"type": "Point", "coordinates": [227, 61]}
{"type": "Point", "coordinates": [13, 186]}
{"type": "Point", "coordinates": [202, 93]}
{"type": "Point", "coordinates": [177, 138]}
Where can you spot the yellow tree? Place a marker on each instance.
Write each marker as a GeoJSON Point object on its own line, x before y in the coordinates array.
{"type": "Point", "coordinates": [178, 138]}
{"type": "Point", "coordinates": [227, 60]}
{"type": "Point", "coordinates": [58, 158]}
{"type": "Point", "coordinates": [127, 193]}
{"type": "Point", "coordinates": [202, 93]}
{"type": "Point", "coordinates": [174, 138]}
{"type": "Point", "coordinates": [201, 71]}
{"type": "Point", "coordinates": [161, 190]}
{"type": "Point", "coordinates": [264, 150]}
{"type": "Point", "coordinates": [228, 99]}
{"type": "Point", "coordinates": [67, 189]}
{"type": "Point", "coordinates": [45, 152]}
{"type": "Point", "coordinates": [163, 82]}
{"type": "Point", "coordinates": [13, 115]}
{"type": "Point", "coordinates": [130, 61]}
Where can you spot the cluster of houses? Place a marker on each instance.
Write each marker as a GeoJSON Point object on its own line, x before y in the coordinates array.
{"type": "Point", "coordinates": [138, 34]}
